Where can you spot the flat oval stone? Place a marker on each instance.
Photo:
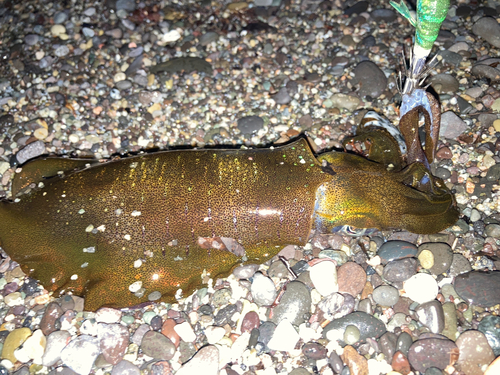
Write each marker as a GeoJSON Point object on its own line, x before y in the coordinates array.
{"type": "Point", "coordinates": [479, 288]}
{"type": "Point", "coordinates": [400, 270]}
{"type": "Point", "coordinates": [386, 295]}
{"type": "Point", "coordinates": [393, 250]}
{"type": "Point", "coordinates": [431, 352]}
{"type": "Point", "coordinates": [475, 352]}
{"type": "Point", "coordinates": [295, 304]}
{"type": "Point", "coordinates": [158, 346]}
{"type": "Point", "coordinates": [421, 288]}
{"type": "Point", "coordinates": [368, 325]}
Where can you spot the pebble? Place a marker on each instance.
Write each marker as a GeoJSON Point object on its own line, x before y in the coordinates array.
{"type": "Point", "coordinates": [444, 83]}
{"type": "Point", "coordinates": [285, 337]}
{"type": "Point", "coordinates": [400, 270]}
{"type": "Point", "coordinates": [435, 256]}
{"type": "Point", "coordinates": [108, 315]}
{"type": "Point", "coordinates": [431, 352]}
{"type": "Point", "coordinates": [61, 51]}
{"type": "Point", "coordinates": [404, 343]}
{"type": "Point", "coordinates": [475, 353]}
{"type": "Point", "coordinates": [13, 341]}
{"type": "Point", "coordinates": [351, 335]}
{"type": "Point", "coordinates": [488, 29]}
{"type": "Point", "coordinates": [49, 322]}
{"type": "Point", "coordinates": [493, 368]}
{"type": "Point", "coordinates": [157, 346]}
{"type": "Point", "coordinates": [314, 350]}
{"type": "Point", "coordinates": [479, 288]}
{"type": "Point", "coordinates": [79, 355]}
{"type": "Point", "coordinates": [482, 70]}
{"type": "Point", "coordinates": [113, 341]}
{"type": "Point", "coordinates": [394, 250]}
{"type": "Point", "coordinates": [215, 334]}
{"type": "Point", "coordinates": [125, 368]}
{"type": "Point", "coordinates": [386, 295]}
{"type": "Point", "coordinates": [370, 78]}
{"type": "Point", "coordinates": [421, 288]}
{"type": "Point", "coordinates": [168, 330]}
{"type": "Point", "coordinates": [368, 325]}
{"type": "Point", "coordinates": [245, 271]}
{"type": "Point", "coordinates": [459, 264]}
{"type": "Point", "coordinates": [294, 305]}
{"type": "Point", "coordinates": [387, 344]}
{"type": "Point", "coordinates": [324, 277]}
{"type": "Point", "coordinates": [490, 327]}
{"type": "Point", "coordinates": [357, 364]}
{"type": "Point", "coordinates": [431, 315]}
{"type": "Point", "coordinates": [205, 361]}
{"type": "Point", "coordinates": [31, 39]}
{"type": "Point", "coordinates": [56, 342]}
{"type": "Point", "coordinates": [351, 278]}
{"type": "Point", "coordinates": [185, 332]}
{"type": "Point", "coordinates": [451, 125]}
{"type": "Point", "coordinates": [263, 290]}
{"type": "Point", "coordinates": [30, 151]}
{"type": "Point", "coordinates": [250, 321]}
{"type": "Point", "coordinates": [343, 101]}
{"type": "Point", "coordinates": [250, 124]}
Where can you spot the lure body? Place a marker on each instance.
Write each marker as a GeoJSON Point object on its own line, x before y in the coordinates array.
{"type": "Point", "coordinates": [119, 231]}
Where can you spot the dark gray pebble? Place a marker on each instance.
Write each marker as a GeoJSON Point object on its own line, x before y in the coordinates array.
{"type": "Point", "coordinates": [282, 96]}
{"type": "Point", "coordinates": [384, 15]}
{"type": "Point", "coordinates": [295, 304]}
{"type": "Point", "coordinates": [481, 70]}
{"type": "Point", "coordinates": [394, 250]}
{"type": "Point", "coordinates": [488, 29]}
{"type": "Point", "coordinates": [370, 79]}
{"type": "Point", "coordinates": [250, 124]}
{"type": "Point", "coordinates": [459, 265]}
{"type": "Point", "coordinates": [404, 342]}
{"type": "Point", "coordinates": [357, 8]}
{"type": "Point", "coordinates": [368, 325]}
{"type": "Point", "coordinates": [314, 350]}
{"type": "Point", "coordinates": [479, 288]}
{"type": "Point", "coordinates": [443, 83]}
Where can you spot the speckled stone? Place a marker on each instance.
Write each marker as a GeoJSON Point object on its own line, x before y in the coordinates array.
{"type": "Point", "coordinates": [357, 364]}
{"type": "Point", "coordinates": [205, 361]}
{"type": "Point", "coordinates": [351, 278]}
{"type": "Point", "coordinates": [113, 341]}
{"type": "Point", "coordinates": [431, 352]}
{"type": "Point", "coordinates": [385, 295]}
{"type": "Point", "coordinates": [459, 265]}
{"type": "Point", "coordinates": [490, 327]}
{"type": "Point", "coordinates": [479, 288]}
{"type": "Point", "coordinates": [475, 352]}
{"type": "Point", "coordinates": [400, 270]}
{"type": "Point", "coordinates": [80, 354]}
{"type": "Point", "coordinates": [158, 346]}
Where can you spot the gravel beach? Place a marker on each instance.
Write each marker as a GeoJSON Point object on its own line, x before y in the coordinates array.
{"type": "Point", "coordinates": [107, 79]}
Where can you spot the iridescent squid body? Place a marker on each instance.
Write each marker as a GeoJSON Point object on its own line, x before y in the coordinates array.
{"type": "Point", "coordinates": [144, 227]}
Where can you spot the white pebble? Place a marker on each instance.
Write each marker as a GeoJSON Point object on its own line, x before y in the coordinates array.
{"type": "Point", "coordinates": [33, 348]}
{"type": "Point", "coordinates": [185, 331]}
{"type": "Point", "coordinates": [57, 30]}
{"type": "Point", "coordinates": [263, 290]}
{"type": "Point", "coordinates": [214, 334]}
{"type": "Point", "coordinates": [324, 277]}
{"type": "Point", "coordinates": [80, 354]}
{"type": "Point", "coordinates": [285, 337]}
{"type": "Point", "coordinates": [421, 288]}
{"type": "Point", "coordinates": [108, 315]}
{"type": "Point", "coordinates": [56, 342]}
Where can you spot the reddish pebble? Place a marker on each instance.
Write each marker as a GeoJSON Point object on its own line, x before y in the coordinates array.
{"type": "Point", "coordinates": [351, 278]}
{"type": "Point", "coordinates": [400, 363]}
{"type": "Point", "coordinates": [250, 321]}
{"type": "Point", "coordinates": [444, 153]}
{"type": "Point", "coordinates": [113, 341]}
{"type": "Point", "coordinates": [168, 330]}
{"type": "Point", "coordinates": [49, 319]}
{"type": "Point", "coordinates": [358, 365]}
